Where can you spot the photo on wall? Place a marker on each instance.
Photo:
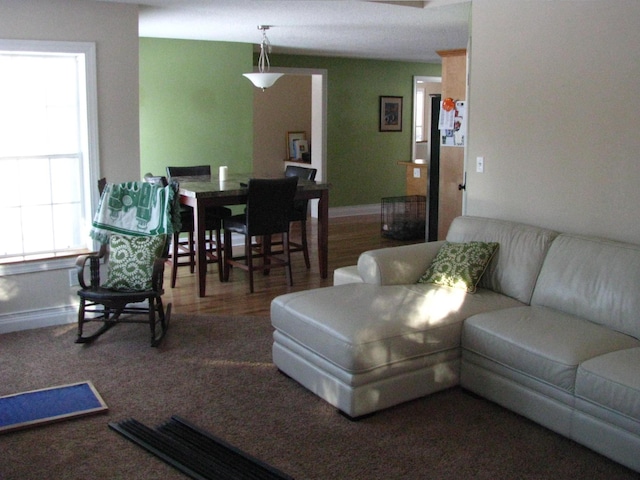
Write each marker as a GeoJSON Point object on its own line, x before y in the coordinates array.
{"type": "Point", "coordinates": [293, 144]}
{"type": "Point", "coordinates": [390, 114]}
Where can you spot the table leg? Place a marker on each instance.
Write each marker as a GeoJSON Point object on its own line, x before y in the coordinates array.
{"type": "Point", "coordinates": [201, 247]}
{"type": "Point", "coordinates": [323, 233]}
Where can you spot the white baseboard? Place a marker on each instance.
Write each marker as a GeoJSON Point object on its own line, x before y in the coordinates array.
{"type": "Point", "coordinates": [354, 210]}
{"type": "Point", "coordinates": [13, 322]}
{"type": "Point", "coordinates": [350, 211]}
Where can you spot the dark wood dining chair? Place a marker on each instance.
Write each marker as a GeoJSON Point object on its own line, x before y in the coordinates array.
{"type": "Point", "coordinates": [300, 210]}
{"type": "Point", "coordinates": [268, 212]}
{"type": "Point", "coordinates": [102, 182]}
{"type": "Point", "coordinates": [213, 224]}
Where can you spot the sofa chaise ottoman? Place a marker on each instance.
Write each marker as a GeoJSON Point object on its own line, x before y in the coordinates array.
{"type": "Point", "coordinates": [385, 339]}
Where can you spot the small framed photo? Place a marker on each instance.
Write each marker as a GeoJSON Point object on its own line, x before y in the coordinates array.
{"type": "Point", "coordinates": [390, 114]}
{"type": "Point", "coordinates": [300, 147]}
{"type": "Point", "coordinates": [292, 144]}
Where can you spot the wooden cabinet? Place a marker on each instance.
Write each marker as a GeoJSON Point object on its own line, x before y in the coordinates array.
{"type": "Point", "coordinates": [454, 85]}
{"type": "Point", "coordinates": [416, 174]}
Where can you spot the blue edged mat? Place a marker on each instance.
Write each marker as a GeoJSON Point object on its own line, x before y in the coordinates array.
{"type": "Point", "coordinates": [23, 410]}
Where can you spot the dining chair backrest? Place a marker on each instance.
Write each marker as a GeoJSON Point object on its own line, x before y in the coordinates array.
{"type": "Point", "coordinates": [191, 171]}
{"type": "Point", "coordinates": [102, 182]}
{"type": "Point", "coordinates": [156, 180]}
{"type": "Point", "coordinates": [300, 172]}
{"type": "Point", "coordinates": [300, 207]}
{"type": "Point", "coordinates": [269, 204]}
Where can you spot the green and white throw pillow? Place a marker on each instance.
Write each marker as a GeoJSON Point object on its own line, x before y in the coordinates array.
{"type": "Point", "coordinates": [131, 261]}
{"type": "Point", "coordinates": [460, 265]}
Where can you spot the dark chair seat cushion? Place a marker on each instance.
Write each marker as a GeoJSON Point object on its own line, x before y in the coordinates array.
{"type": "Point", "coordinates": [236, 223]}
{"type": "Point", "coordinates": [213, 215]}
{"type": "Point", "coordinates": [102, 293]}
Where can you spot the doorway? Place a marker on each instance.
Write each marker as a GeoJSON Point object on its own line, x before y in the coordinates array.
{"type": "Point", "coordinates": [423, 88]}
{"type": "Point", "coordinates": [426, 143]}
{"type": "Point", "coordinates": [297, 102]}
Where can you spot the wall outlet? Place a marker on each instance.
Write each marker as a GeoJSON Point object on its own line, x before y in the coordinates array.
{"type": "Point", "coordinates": [480, 164]}
{"type": "Point", "coordinates": [73, 278]}
{"type": "Point", "coordinates": [416, 173]}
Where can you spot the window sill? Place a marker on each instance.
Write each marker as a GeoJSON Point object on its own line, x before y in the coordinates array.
{"type": "Point", "coordinates": [41, 265]}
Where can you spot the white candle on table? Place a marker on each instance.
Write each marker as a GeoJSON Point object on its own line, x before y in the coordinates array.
{"type": "Point", "coordinates": [223, 174]}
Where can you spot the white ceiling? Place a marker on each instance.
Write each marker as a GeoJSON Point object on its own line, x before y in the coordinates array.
{"type": "Point", "coordinates": [409, 31]}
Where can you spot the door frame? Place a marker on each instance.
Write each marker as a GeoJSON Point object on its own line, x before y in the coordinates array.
{"type": "Point", "coordinates": [318, 120]}
{"type": "Point", "coordinates": [427, 104]}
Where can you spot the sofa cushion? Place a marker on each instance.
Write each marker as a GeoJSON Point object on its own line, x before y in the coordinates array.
{"type": "Point", "coordinates": [540, 342]}
{"type": "Point", "coordinates": [360, 326]}
{"type": "Point", "coordinates": [612, 381]}
{"type": "Point", "coordinates": [515, 266]}
{"type": "Point", "coordinates": [592, 278]}
{"type": "Point", "coordinates": [460, 265]}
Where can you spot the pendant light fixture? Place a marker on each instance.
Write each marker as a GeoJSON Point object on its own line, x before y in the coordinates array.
{"type": "Point", "coordinates": [263, 79]}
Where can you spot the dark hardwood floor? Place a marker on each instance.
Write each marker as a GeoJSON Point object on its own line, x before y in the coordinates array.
{"type": "Point", "coordinates": [348, 237]}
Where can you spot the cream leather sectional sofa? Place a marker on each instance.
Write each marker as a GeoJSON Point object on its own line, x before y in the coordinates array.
{"type": "Point", "coordinates": [551, 333]}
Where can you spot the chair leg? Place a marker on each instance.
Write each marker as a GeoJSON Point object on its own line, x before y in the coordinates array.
{"type": "Point", "coordinates": [305, 246]}
{"type": "Point", "coordinates": [157, 315]}
{"type": "Point", "coordinates": [80, 319]}
{"type": "Point", "coordinates": [249, 254]}
{"type": "Point", "coordinates": [219, 256]}
{"type": "Point", "coordinates": [174, 258]}
{"type": "Point", "coordinates": [152, 320]}
{"type": "Point", "coordinates": [192, 253]}
{"type": "Point", "coordinates": [228, 254]}
{"type": "Point", "coordinates": [108, 322]}
{"type": "Point", "coordinates": [266, 254]}
{"type": "Point", "coordinates": [287, 252]}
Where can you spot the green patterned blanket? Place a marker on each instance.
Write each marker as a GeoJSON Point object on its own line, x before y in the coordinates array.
{"type": "Point", "coordinates": [134, 208]}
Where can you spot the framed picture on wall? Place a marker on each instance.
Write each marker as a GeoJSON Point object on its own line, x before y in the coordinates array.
{"type": "Point", "coordinates": [292, 144]}
{"type": "Point", "coordinates": [390, 114]}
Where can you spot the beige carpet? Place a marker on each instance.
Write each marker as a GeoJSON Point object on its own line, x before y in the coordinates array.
{"type": "Point", "coordinates": [217, 373]}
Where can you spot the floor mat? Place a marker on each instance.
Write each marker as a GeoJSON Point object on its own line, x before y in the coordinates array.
{"type": "Point", "coordinates": [37, 407]}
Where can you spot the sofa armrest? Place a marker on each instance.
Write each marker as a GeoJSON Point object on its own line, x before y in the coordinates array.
{"type": "Point", "coordinates": [397, 265]}
{"type": "Point", "coordinates": [344, 275]}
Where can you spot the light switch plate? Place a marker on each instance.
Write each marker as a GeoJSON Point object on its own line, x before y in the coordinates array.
{"type": "Point", "coordinates": [416, 173]}
{"type": "Point", "coordinates": [480, 164]}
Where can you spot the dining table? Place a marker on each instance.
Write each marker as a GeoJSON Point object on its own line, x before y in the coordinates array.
{"type": "Point", "coordinates": [200, 192]}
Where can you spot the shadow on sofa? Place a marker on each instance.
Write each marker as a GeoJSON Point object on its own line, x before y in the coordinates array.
{"type": "Point", "coordinates": [551, 332]}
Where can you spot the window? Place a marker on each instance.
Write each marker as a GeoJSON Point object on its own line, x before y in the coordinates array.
{"type": "Point", "coordinates": [48, 148]}
{"type": "Point", "coordinates": [419, 120]}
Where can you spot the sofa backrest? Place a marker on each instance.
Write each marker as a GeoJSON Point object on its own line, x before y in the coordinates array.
{"type": "Point", "coordinates": [593, 278]}
{"type": "Point", "coordinates": [515, 266]}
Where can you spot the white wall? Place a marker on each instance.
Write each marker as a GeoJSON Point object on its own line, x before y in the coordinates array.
{"type": "Point", "coordinates": [32, 299]}
{"type": "Point", "coordinates": [554, 99]}
{"type": "Point", "coordinates": [284, 107]}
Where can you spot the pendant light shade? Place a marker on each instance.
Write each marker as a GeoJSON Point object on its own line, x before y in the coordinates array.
{"type": "Point", "coordinates": [263, 78]}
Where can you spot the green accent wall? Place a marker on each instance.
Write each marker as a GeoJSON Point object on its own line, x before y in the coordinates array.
{"type": "Point", "coordinates": [362, 161]}
{"type": "Point", "coordinates": [196, 108]}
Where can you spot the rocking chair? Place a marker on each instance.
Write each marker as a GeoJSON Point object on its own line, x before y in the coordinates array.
{"type": "Point", "coordinates": [133, 223]}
